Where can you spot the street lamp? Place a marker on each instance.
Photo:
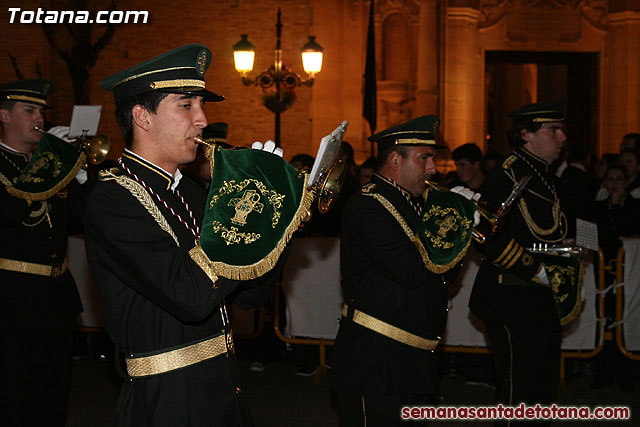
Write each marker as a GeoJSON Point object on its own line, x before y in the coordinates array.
{"type": "Point", "coordinates": [277, 81]}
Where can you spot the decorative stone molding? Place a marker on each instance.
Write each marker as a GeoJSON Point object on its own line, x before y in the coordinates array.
{"type": "Point", "coordinates": [409, 8]}
{"type": "Point", "coordinates": [494, 11]}
{"type": "Point", "coordinates": [396, 99]}
{"type": "Point", "coordinates": [622, 17]}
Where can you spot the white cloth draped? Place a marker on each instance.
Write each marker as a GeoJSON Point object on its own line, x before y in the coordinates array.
{"type": "Point", "coordinates": [92, 314]}
{"type": "Point", "coordinates": [464, 329]}
{"type": "Point", "coordinates": [631, 289]}
{"type": "Point", "coordinates": [311, 284]}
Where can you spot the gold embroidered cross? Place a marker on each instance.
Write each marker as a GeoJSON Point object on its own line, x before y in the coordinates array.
{"type": "Point", "coordinates": [249, 202]}
{"type": "Point", "coordinates": [449, 223]}
{"type": "Point", "coordinates": [556, 281]}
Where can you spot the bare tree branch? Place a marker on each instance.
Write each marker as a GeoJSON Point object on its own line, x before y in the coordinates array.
{"type": "Point", "coordinates": [14, 62]}
{"type": "Point", "coordinates": [82, 55]}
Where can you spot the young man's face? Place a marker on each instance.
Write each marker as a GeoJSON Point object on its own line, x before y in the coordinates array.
{"type": "Point", "coordinates": [546, 142]}
{"type": "Point", "coordinates": [615, 181]}
{"type": "Point", "coordinates": [20, 122]}
{"type": "Point", "coordinates": [466, 170]}
{"type": "Point", "coordinates": [178, 119]}
{"type": "Point", "coordinates": [630, 162]}
{"type": "Point", "coordinates": [364, 176]}
{"type": "Point", "coordinates": [417, 167]}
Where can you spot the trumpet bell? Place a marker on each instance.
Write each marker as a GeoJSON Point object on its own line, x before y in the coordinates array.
{"type": "Point", "coordinates": [330, 185]}
{"type": "Point", "coordinates": [97, 148]}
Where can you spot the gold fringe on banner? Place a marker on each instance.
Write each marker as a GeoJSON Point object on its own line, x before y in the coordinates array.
{"type": "Point", "coordinates": [259, 268]}
{"type": "Point", "coordinates": [44, 195]}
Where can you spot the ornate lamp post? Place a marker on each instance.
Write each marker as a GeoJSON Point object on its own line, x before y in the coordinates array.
{"type": "Point", "coordinates": [277, 81]}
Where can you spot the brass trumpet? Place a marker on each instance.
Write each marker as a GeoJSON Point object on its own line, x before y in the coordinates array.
{"type": "Point", "coordinates": [489, 213]}
{"type": "Point", "coordinates": [201, 141]}
{"type": "Point", "coordinates": [95, 148]}
{"type": "Point", "coordinates": [542, 248]}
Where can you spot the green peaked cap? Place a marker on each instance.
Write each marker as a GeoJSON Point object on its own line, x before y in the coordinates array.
{"type": "Point", "coordinates": [180, 70]}
{"type": "Point", "coordinates": [418, 131]}
{"type": "Point", "coordinates": [34, 91]}
{"type": "Point", "coordinates": [539, 113]}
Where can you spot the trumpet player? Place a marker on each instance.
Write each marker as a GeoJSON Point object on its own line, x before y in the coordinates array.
{"type": "Point", "coordinates": [163, 304]}
{"type": "Point", "coordinates": [395, 305]}
{"type": "Point", "coordinates": [39, 301]}
{"type": "Point", "coordinates": [509, 295]}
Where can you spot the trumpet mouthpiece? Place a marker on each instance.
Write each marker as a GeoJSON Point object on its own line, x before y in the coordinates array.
{"type": "Point", "coordinates": [201, 141]}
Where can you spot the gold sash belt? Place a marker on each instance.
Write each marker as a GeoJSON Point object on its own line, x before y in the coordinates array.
{"type": "Point", "coordinates": [389, 331]}
{"type": "Point", "coordinates": [55, 270]}
{"type": "Point", "coordinates": [178, 358]}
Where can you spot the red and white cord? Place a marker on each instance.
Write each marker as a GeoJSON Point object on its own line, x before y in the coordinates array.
{"type": "Point", "coordinates": [196, 231]}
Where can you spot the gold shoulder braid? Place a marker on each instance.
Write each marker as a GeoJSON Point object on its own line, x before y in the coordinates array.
{"type": "Point", "coordinates": [4, 180]}
{"type": "Point", "coordinates": [558, 219]}
{"type": "Point", "coordinates": [411, 235]}
{"type": "Point", "coordinates": [145, 200]}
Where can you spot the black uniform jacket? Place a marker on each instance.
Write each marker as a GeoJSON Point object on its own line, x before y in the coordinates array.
{"type": "Point", "coordinates": [384, 276]}
{"type": "Point", "coordinates": [37, 234]}
{"type": "Point", "coordinates": [532, 219]}
{"type": "Point", "coordinates": [156, 297]}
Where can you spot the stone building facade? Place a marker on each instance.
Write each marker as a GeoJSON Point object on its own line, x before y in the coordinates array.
{"type": "Point", "coordinates": [469, 61]}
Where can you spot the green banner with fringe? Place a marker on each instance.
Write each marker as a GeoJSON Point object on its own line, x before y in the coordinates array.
{"type": "Point", "coordinates": [445, 228]}
{"type": "Point", "coordinates": [52, 166]}
{"type": "Point", "coordinates": [565, 281]}
{"type": "Point", "coordinates": [256, 201]}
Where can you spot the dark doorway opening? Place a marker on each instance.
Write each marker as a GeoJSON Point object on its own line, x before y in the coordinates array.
{"type": "Point", "coordinates": [517, 78]}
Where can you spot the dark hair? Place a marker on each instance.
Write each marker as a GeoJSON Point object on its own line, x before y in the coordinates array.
{"type": "Point", "coordinates": [635, 137]}
{"type": "Point", "coordinates": [468, 151]}
{"type": "Point", "coordinates": [370, 163]}
{"type": "Point", "coordinates": [347, 150]}
{"type": "Point", "coordinates": [514, 135]}
{"type": "Point", "coordinates": [305, 160]}
{"type": "Point", "coordinates": [383, 155]}
{"type": "Point", "coordinates": [7, 104]}
{"type": "Point", "coordinates": [148, 100]}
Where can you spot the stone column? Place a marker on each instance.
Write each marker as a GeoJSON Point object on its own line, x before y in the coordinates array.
{"type": "Point", "coordinates": [464, 104]}
{"type": "Point", "coordinates": [622, 79]}
{"type": "Point", "coordinates": [428, 59]}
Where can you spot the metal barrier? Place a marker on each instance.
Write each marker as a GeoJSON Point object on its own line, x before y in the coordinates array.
{"type": "Point", "coordinates": [620, 307]}
{"type": "Point", "coordinates": [321, 342]}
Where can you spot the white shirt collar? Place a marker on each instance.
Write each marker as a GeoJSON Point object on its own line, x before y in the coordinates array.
{"type": "Point", "coordinates": [9, 148]}
{"type": "Point", "coordinates": [578, 166]}
{"type": "Point", "coordinates": [176, 177]}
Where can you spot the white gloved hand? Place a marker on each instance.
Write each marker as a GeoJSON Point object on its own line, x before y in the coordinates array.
{"type": "Point", "coordinates": [61, 132]}
{"type": "Point", "coordinates": [463, 191]}
{"type": "Point", "coordinates": [82, 176]}
{"type": "Point", "coordinates": [470, 195]}
{"type": "Point", "coordinates": [269, 147]}
{"type": "Point", "coordinates": [542, 275]}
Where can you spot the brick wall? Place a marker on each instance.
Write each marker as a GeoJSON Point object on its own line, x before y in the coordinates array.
{"type": "Point", "coordinates": [217, 24]}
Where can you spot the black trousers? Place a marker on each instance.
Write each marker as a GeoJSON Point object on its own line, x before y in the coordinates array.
{"type": "Point", "coordinates": [527, 362]}
{"type": "Point", "coordinates": [379, 411]}
{"type": "Point", "coordinates": [36, 377]}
